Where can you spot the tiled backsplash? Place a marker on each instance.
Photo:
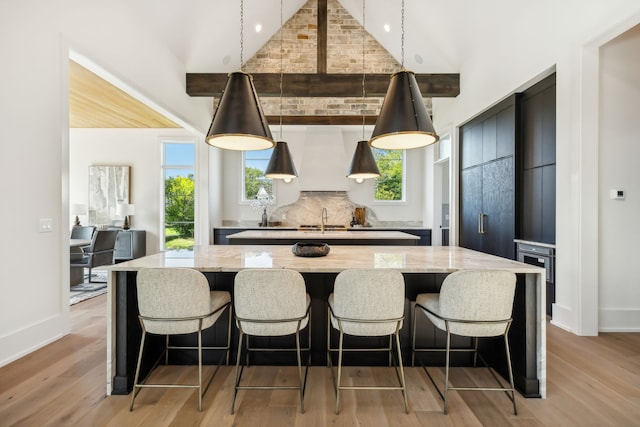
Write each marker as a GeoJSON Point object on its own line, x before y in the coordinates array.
{"type": "Point", "coordinates": [307, 210]}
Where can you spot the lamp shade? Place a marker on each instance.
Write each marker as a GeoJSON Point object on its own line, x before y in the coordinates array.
{"type": "Point", "coordinates": [239, 122]}
{"type": "Point", "coordinates": [281, 163]}
{"type": "Point", "coordinates": [403, 122]}
{"type": "Point", "coordinates": [125, 209]}
{"type": "Point", "coordinates": [363, 164]}
{"type": "Point", "coordinates": [78, 209]}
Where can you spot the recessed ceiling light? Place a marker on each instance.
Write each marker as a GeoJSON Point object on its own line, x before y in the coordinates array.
{"type": "Point", "coordinates": [418, 59]}
{"type": "Point", "coordinates": [258, 28]}
{"type": "Point", "coordinates": [387, 27]}
{"type": "Point", "coordinates": [226, 59]}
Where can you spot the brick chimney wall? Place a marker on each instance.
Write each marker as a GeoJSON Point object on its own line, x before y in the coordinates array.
{"type": "Point", "coordinates": [344, 55]}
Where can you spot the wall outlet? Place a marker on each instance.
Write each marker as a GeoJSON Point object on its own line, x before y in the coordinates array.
{"type": "Point", "coordinates": [46, 225]}
{"type": "Point", "coordinates": [616, 194]}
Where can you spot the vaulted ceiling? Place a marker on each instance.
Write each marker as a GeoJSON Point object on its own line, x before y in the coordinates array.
{"type": "Point", "coordinates": [204, 35]}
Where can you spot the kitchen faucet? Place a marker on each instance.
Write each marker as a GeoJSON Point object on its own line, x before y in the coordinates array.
{"type": "Point", "coordinates": [323, 221]}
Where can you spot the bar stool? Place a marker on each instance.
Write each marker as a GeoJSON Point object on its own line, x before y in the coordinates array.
{"type": "Point", "coordinates": [175, 301]}
{"type": "Point", "coordinates": [470, 304]}
{"type": "Point", "coordinates": [367, 302]}
{"type": "Point", "coordinates": [271, 302]}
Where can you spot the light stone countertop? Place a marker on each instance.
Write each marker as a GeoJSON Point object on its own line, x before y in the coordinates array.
{"type": "Point", "coordinates": [328, 235]}
{"type": "Point", "coordinates": [407, 259]}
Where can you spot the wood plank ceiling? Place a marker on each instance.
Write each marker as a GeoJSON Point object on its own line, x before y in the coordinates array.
{"type": "Point", "coordinates": [96, 103]}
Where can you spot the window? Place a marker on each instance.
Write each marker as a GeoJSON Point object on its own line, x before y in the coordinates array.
{"type": "Point", "coordinates": [179, 195]}
{"type": "Point", "coordinates": [389, 186]}
{"type": "Point", "coordinates": [255, 164]}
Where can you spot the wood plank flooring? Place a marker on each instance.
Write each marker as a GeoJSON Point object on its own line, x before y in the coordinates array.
{"type": "Point", "coordinates": [592, 381]}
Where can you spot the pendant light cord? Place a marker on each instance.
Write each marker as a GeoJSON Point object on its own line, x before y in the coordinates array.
{"type": "Point", "coordinates": [281, 68]}
{"type": "Point", "coordinates": [241, 33]}
{"type": "Point", "coordinates": [402, 37]}
{"type": "Point", "coordinates": [364, 70]}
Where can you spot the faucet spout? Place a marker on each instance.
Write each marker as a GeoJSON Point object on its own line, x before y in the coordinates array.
{"type": "Point", "coordinates": [323, 221]}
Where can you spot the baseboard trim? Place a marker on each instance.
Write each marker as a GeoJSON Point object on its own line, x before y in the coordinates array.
{"type": "Point", "coordinates": [618, 320]}
{"type": "Point", "coordinates": [561, 317]}
{"type": "Point", "coordinates": [27, 340]}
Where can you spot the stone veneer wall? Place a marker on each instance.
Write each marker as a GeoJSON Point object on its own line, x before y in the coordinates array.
{"type": "Point", "coordinates": [307, 210]}
{"type": "Point", "coordinates": [344, 55]}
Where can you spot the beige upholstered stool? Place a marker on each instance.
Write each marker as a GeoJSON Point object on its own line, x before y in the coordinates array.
{"type": "Point", "coordinates": [370, 303]}
{"type": "Point", "coordinates": [470, 304]}
{"type": "Point", "coordinates": [271, 302]}
{"type": "Point", "coordinates": [175, 301]}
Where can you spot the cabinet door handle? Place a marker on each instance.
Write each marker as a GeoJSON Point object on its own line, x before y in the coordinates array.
{"type": "Point", "coordinates": [481, 223]}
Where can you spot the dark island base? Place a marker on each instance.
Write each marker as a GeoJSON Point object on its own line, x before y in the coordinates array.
{"type": "Point", "coordinates": [319, 286]}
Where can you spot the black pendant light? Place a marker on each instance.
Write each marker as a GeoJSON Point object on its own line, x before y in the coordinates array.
{"type": "Point", "coordinates": [404, 122]}
{"type": "Point", "coordinates": [239, 122]}
{"type": "Point", "coordinates": [281, 163]}
{"type": "Point", "coordinates": [363, 165]}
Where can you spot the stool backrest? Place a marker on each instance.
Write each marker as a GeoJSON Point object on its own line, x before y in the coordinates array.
{"type": "Point", "coordinates": [172, 293]}
{"type": "Point", "coordinates": [269, 295]}
{"type": "Point", "coordinates": [478, 295]}
{"type": "Point", "coordinates": [369, 294]}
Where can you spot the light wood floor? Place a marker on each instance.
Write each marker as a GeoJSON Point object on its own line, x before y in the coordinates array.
{"type": "Point", "coordinates": [592, 381]}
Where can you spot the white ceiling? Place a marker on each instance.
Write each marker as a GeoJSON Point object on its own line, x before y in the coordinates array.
{"type": "Point", "coordinates": [201, 34]}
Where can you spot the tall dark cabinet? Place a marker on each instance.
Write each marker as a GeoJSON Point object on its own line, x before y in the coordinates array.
{"type": "Point", "coordinates": [488, 180]}
{"type": "Point", "coordinates": [539, 162]}
{"type": "Point", "coordinates": [508, 180]}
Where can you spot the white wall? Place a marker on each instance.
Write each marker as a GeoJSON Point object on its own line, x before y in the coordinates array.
{"type": "Point", "coordinates": [505, 65]}
{"type": "Point", "coordinates": [36, 38]}
{"type": "Point", "coordinates": [619, 228]}
{"type": "Point", "coordinates": [296, 137]}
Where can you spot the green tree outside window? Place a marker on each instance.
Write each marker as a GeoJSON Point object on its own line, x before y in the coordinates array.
{"type": "Point", "coordinates": [180, 202]}
{"type": "Point", "coordinates": [388, 186]}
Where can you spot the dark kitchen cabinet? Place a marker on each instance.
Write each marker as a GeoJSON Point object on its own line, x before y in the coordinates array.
{"type": "Point", "coordinates": [538, 193]}
{"type": "Point", "coordinates": [488, 181]}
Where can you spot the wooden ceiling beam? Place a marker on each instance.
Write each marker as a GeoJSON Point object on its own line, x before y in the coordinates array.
{"type": "Point", "coordinates": [311, 85]}
{"type": "Point", "coordinates": [321, 55]}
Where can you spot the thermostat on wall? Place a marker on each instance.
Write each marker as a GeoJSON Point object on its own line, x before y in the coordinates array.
{"type": "Point", "coordinates": [617, 194]}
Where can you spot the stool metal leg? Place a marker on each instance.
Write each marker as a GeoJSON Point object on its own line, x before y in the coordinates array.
{"type": "Point", "coordinates": [340, 342]}
{"type": "Point", "coordinates": [513, 394]}
{"type": "Point", "coordinates": [238, 373]}
{"type": "Point", "coordinates": [136, 389]}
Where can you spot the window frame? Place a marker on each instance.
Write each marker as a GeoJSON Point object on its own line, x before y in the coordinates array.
{"type": "Point", "coordinates": [403, 199]}
{"type": "Point", "coordinates": [163, 168]}
{"type": "Point", "coordinates": [243, 176]}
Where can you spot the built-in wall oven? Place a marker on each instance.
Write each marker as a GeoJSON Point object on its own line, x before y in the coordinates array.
{"type": "Point", "coordinates": [541, 255]}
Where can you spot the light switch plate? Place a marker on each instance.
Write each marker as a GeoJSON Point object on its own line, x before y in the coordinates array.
{"type": "Point", "coordinates": [46, 225]}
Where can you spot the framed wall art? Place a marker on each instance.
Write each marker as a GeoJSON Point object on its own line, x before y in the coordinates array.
{"type": "Point", "coordinates": [108, 188]}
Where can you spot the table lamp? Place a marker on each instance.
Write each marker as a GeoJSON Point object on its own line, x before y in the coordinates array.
{"type": "Point", "coordinates": [78, 209]}
{"type": "Point", "coordinates": [126, 210]}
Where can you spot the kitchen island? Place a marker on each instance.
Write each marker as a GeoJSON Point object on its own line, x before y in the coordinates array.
{"type": "Point", "coordinates": [423, 267]}
{"type": "Point", "coordinates": [342, 237]}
